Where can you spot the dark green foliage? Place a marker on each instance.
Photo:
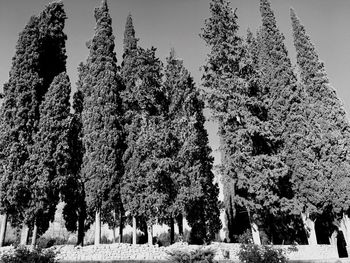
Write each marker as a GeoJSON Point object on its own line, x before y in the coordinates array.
{"type": "Point", "coordinates": [72, 188]}
{"type": "Point", "coordinates": [102, 119]}
{"type": "Point", "coordinates": [141, 74]}
{"type": "Point", "coordinates": [200, 255]}
{"type": "Point", "coordinates": [147, 184]}
{"type": "Point", "coordinates": [24, 255]}
{"type": "Point", "coordinates": [328, 118]}
{"type": "Point", "coordinates": [49, 156]}
{"type": "Point", "coordinates": [221, 76]}
{"type": "Point", "coordinates": [39, 57]}
{"type": "Point", "coordinates": [250, 170]}
{"type": "Point", "coordinates": [146, 189]}
{"type": "Point", "coordinates": [250, 253]}
{"type": "Point", "coordinates": [196, 193]}
{"type": "Point", "coordinates": [130, 41]}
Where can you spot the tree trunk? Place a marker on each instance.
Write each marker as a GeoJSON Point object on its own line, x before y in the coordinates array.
{"type": "Point", "coordinates": [97, 228]}
{"type": "Point", "coordinates": [172, 231]}
{"type": "Point", "coordinates": [150, 234]}
{"type": "Point", "coordinates": [24, 235]}
{"type": "Point", "coordinates": [333, 238]}
{"type": "Point", "coordinates": [134, 230]}
{"type": "Point", "coordinates": [309, 226]}
{"type": "Point", "coordinates": [255, 234]}
{"type": "Point", "coordinates": [114, 231]}
{"type": "Point", "coordinates": [180, 225]}
{"type": "Point", "coordinates": [81, 232]}
{"type": "Point", "coordinates": [345, 228]}
{"type": "Point", "coordinates": [121, 227]}
{"type": "Point", "coordinates": [3, 229]}
{"type": "Point", "coordinates": [34, 235]}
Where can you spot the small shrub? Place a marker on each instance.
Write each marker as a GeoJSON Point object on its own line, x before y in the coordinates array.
{"type": "Point", "coordinates": [251, 253]}
{"type": "Point", "coordinates": [105, 240]}
{"type": "Point", "coordinates": [24, 255]}
{"type": "Point", "coordinates": [201, 255]}
{"type": "Point", "coordinates": [46, 242]}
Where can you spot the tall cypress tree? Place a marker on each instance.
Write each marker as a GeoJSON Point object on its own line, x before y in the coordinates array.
{"type": "Point", "coordinates": [246, 139]}
{"type": "Point", "coordinates": [287, 115]}
{"type": "Point", "coordinates": [72, 187]}
{"type": "Point", "coordinates": [102, 121]}
{"type": "Point", "coordinates": [220, 76]}
{"type": "Point", "coordinates": [329, 118]}
{"type": "Point", "coordinates": [49, 157]}
{"type": "Point", "coordinates": [40, 56]}
{"type": "Point", "coordinates": [144, 100]}
{"type": "Point", "coordinates": [194, 163]}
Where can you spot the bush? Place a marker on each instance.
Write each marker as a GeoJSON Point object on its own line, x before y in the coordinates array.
{"type": "Point", "coordinates": [46, 242]}
{"type": "Point", "coordinates": [24, 255]}
{"type": "Point", "coordinates": [201, 255]}
{"type": "Point", "coordinates": [251, 253]}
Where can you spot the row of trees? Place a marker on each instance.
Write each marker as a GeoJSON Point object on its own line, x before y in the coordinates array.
{"type": "Point", "coordinates": [284, 133]}
{"type": "Point", "coordinates": [133, 146]}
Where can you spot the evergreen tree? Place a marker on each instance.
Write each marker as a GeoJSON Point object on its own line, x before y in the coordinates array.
{"type": "Point", "coordinates": [72, 188]}
{"type": "Point", "coordinates": [147, 134]}
{"type": "Point", "coordinates": [49, 157]}
{"type": "Point", "coordinates": [40, 56]}
{"type": "Point", "coordinates": [287, 115]}
{"type": "Point", "coordinates": [102, 121]}
{"type": "Point", "coordinates": [220, 75]}
{"type": "Point", "coordinates": [144, 100]}
{"type": "Point", "coordinates": [328, 118]}
{"type": "Point", "coordinates": [201, 207]}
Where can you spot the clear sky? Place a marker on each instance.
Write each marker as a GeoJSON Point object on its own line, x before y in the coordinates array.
{"type": "Point", "coordinates": [177, 23]}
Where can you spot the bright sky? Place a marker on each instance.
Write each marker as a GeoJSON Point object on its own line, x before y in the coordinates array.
{"type": "Point", "coordinates": [177, 23]}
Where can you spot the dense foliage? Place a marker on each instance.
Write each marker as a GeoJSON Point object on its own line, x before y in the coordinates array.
{"type": "Point", "coordinates": [101, 119]}
{"type": "Point", "coordinates": [40, 56]}
{"type": "Point", "coordinates": [134, 143]}
{"type": "Point", "coordinates": [200, 255]}
{"type": "Point", "coordinates": [25, 255]}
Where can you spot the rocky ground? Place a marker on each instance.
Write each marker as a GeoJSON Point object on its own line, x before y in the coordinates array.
{"type": "Point", "coordinates": [109, 252]}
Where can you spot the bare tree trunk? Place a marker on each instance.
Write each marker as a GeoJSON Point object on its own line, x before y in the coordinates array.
{"type": "Point", "coordinates": [345, 228]}
{"type": "Point", "coordinates": [309, 226]}
{"type": "Point", "coordinates": [333, 238]}
{"type": "Point", "coordinates": [24, 235]}
{"type": "Point", "coordinates": [81, 230]}
{"type": "Point", "coordinates": [255, 233]}
{"type": "Point", "coordinates": [97, 228]}
{"type": "Point", "coordinates": [121, 227]}
{"type": "Point", "coordinates": [34, 235]}
{"type": "Point", "coordinates": [3, 229]}
{"type": "Point", "coordinates": [134, 230]}
{"type": "Point", "coordinates": [180, 225]}
{"type": "Point", "coordinates": [172, 231]}
{"type": "Point", "coordinates": [150, 234]}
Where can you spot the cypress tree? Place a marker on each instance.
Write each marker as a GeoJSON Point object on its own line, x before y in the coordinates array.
{"type": "Point", "coordinates": [194, 163]}
{"type": "Point", "coordinates": [144, 98]}
{"type": "Point", "coordinates": [328, 117]}
{"type": "Point", "coordinates": [234, 95]}
{"type": "Point", "coordinates": [40, 56]}
{"type": "Point", "coordinates": [220, 75]}
{"type": "Point", "coordinates": [102, 121]}
{"type": "Point", "coordinates": [72, 187]}
{"type": "Point", "coordinates": [49, 157]}
{"type": "Point", "coordinates": [144, 105]}
{"type": "Point", "coordinates": [287, 115]}
{"type": "Point", "coordinates": [18, 111]}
